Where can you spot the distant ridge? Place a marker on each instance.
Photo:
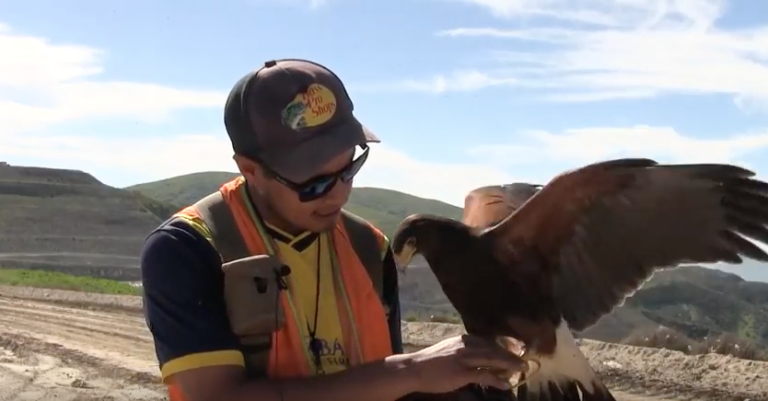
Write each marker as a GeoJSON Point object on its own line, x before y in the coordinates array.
{"type": "Point", "coordinates": [43, 175]}
{"type": "Point", "coordinates": [67, 220]}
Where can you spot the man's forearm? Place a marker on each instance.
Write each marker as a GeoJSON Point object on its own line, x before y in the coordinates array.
{"type": "Point", "coordinates": [386, 380]}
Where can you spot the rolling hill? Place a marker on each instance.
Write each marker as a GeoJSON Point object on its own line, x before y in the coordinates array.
{"type": "Point", "coordinates": [383, 207]}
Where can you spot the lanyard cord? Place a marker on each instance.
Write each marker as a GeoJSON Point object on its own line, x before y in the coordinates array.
{"type": "Point", "coordinates": [315, 344]}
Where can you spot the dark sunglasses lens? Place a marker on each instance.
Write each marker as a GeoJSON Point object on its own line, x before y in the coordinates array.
{"type": "Point", "coordinates": [316, 189]}
{"type": "Point", "coordinates": [321, 186]}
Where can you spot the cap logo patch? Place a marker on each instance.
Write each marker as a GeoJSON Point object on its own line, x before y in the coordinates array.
{"type": "Point", "coordinates": [311, 108]}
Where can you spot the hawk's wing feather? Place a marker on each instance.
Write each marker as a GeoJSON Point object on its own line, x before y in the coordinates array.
{"type": "Point", "coordinates": [605, 228]}
{"type": "Point", "coordinates": [487, 206]}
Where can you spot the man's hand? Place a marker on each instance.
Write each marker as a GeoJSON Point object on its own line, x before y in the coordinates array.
{"type": "Point", "coordinates": [431, 373]}
{"type": "Point", "coordinates": [455, 362]}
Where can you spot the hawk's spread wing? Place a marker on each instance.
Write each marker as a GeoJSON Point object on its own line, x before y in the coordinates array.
{"type": "Point", "coordinates": [487, 206]}
{"type": "Point", "coordinates": [606, 227]}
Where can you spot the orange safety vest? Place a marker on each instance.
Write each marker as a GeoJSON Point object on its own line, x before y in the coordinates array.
{"type": "Point", "coordinates": [361, 312]}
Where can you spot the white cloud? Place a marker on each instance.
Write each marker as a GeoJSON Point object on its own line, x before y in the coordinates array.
{"type": "Point", "coordinates": [586, 145]}
{"type": "Point", "coordinates": [623, 49]}
{"type": "Point", "coordinates": [44, 83]}
{"type": "Point", "coordinates": [311, 4]}
{"type": "Point", "coordinates": [458, 81]}
{"type": "Point", "coordinates": [449, 182]}
{"type": "Point", "coordinates": [140, 156]}
{"type": "Point", "coordinates": [462, 81]}
{"type": "Point", "coordinates": [608, 13]}
{"type": "Point", "coordinates": [554, 9]}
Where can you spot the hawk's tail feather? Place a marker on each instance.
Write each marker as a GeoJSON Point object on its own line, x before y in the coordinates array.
{"type": "Point", "coordinates": [563, 376]}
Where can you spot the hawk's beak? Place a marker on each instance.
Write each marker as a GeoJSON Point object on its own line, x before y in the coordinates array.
{"type": "Point", "coordinates": [403, 258]}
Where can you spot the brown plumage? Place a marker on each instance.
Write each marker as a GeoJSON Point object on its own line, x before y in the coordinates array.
{"type": "Point", "coordinates": [486, 206]}
{"type": "Point", "coordinates": [532, 265]}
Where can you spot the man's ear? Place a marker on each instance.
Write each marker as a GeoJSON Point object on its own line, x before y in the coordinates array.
{"type": "Point", "coordinates": [249, 169]}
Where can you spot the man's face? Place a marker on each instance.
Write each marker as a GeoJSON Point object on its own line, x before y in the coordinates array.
{"type": "Point", "coordinates": [317, 215]}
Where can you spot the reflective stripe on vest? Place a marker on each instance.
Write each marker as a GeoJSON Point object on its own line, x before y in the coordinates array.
{"type": "Point", "coordinates": [362, 315]}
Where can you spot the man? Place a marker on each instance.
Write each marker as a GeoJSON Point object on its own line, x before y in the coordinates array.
{"type": "Point", "coordinates": [294, 137]}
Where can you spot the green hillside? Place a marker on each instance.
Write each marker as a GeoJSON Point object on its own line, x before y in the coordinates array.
{"type": "Point", "coordinates": [184, 190]}
{"type": "Point", "coordinates": [386, 208]}
{"type": "Point", "coordinates": [383, 207]}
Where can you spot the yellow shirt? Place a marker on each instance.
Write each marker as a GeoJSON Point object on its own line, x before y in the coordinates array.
{"type": "Point", "coordinates": [301, 253]}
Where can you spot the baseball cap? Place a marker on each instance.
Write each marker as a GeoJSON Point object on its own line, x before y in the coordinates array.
{"type": "Point", "coordinates": [293, 115]}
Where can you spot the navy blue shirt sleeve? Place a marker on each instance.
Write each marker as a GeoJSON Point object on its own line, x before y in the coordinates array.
{"type": "Point", "coordinates": [391, 294]}
{"type": "Point", "coordinates": [184, 300]}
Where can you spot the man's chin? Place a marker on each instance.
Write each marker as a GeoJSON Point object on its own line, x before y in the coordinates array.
{"type": "Point", "coordinates": [324, 223]}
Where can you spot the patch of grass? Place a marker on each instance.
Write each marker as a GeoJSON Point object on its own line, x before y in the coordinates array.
{"type": "Point", "coordinates": [62, 281]}
{"type": "Point", "coordinates": [411, 317]}
{"type": "Point", "coordinates": [446, 318]}
{"type": "Point", "coordinates": [747, 327]}
{"type": "Point", "coordinates": [724, 344]}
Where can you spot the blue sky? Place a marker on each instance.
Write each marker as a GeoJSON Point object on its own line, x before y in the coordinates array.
{"type": "Point", "coordinates": [464, 93]}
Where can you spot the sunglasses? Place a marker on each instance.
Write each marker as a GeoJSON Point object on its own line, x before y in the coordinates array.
{"type": "Point", "coordinates": [319, 186]}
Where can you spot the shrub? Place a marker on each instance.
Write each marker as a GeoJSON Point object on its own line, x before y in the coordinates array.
{"type": "Point", "coordinates": [445, 319]}
{"type": "Point", "coordinates": [724, 344]}
{"type": "Point", "coordinates": [660, 337]}
{"type": "Point", "coordinates": [731, 344]}
{"type": "Point", "coordinates": [412, 318]}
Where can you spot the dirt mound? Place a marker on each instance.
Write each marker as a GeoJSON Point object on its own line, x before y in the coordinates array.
{"type": "Point", "coordinates": [65, 212]}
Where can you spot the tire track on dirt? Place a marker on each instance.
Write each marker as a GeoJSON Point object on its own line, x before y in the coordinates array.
{"type": "Point", "coordinates": [34, 370]}
{"type": "Point", "coordinates": [30, 347]}
{"type": "Point", "coordinates": [50, 351]}
{"type": "Point", "coordinates": [121, 339]}
{"type": "Point", "coordinates": [80, 321]}
{"type": "Point", "coordinates": [70, 327]}
{"type": "Point", "coordinates": [116, 323]}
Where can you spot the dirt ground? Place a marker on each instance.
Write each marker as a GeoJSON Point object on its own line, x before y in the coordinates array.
{"type": "Point", "coordinates": [71, 346]}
